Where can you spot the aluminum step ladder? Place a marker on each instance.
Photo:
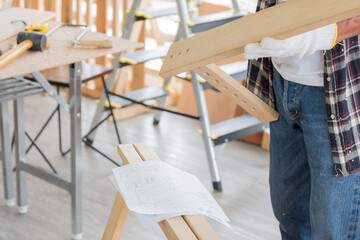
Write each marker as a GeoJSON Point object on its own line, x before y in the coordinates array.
{"type": "Point", "coordinates": [212, 135]}
{"type": "Point", "coordinates": [125, 59]}
{"type": "Point", "coordinates": [228, 130]}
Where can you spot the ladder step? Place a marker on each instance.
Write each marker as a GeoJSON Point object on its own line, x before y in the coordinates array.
{"type": "Point", "coordinates": [236, 128]}
{"type": "Point", "coordinates": [142, 56]}
{"type": "Point", "coordinates": [162, 9]}
{"type": "Point", "coordinates": [210, 21]}
{"type": "Point", "coordinates": [237, 70]}
{"type": "Point", "coordinates": [139, 95]}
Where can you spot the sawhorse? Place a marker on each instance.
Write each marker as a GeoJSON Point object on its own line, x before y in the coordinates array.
{"type": "Point", "coordinates": [188, 227]}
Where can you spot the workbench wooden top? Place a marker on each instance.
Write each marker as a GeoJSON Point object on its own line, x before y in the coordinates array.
{"type": "Point", "coordinates": [61, 52]}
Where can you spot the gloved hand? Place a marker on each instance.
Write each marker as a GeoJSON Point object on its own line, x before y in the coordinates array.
{"type": "Point", "coordinates": [323, 38]}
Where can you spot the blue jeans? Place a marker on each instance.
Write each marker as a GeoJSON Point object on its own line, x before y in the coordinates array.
{"type": "Point", "coordinates": [307, 200]}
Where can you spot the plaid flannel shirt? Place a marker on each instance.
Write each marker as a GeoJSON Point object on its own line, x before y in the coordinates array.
{"type": "Point", "coordinates": [342, 96]}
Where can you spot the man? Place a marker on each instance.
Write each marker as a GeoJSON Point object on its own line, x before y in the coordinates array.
{"type": "Point", "coordinates": [313, 80]}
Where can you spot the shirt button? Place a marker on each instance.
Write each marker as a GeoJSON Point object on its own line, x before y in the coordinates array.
{"type": "Point", "coordinates": [332, 116]}
{"type": "Point", "coordinates": [328, 79]}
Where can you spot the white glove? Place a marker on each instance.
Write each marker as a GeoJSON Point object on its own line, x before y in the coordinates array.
{"type": "Point", "coordinates": [299, 46]}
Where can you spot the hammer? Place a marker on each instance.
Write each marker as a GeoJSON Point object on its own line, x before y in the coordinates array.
{"type": "Point", "coordinates": [34, 41]}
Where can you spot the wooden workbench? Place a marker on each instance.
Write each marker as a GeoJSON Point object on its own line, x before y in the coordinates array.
{"type": "Point", "coordinates": [61, 52]}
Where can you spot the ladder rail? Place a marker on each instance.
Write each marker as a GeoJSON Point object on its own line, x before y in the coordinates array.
{"type": "Point", "coordinates": [201, 104]}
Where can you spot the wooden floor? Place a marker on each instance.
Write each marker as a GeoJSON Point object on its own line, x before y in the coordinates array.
{"type": "Point", "coordinates": [243, 169]}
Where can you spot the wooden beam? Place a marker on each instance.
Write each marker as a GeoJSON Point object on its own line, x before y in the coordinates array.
{"type": "Point", "coordinates": [237, 92]}
{"type": "Point", "coordinates": [116, 19]}
{"type": "Point", "coordinates": [88, 12]}
{"type": "Point", "coordinates": [78, 12]}
{"type": "Point", "coordinates": [116, 221]}
{"type": "Point", "coordinates": [281, 21]}
{"type": "Point", "coordinates": [66, 11]}
{"type": "Point", "coordinates": [175, 228]}
{"type": "Point", "coordinates": [34, 4]}
{"type": "Point", "coordinates": [200, 227]}
{"type": "Point", "coordinates": [15, 3]}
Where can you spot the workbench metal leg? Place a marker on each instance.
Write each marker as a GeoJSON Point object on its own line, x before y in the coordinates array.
{"type": "Point", "coordinates": [100, 106]}
{"type": "Point", "coordinates": [76, 163]}
{"type": "Point", "coordinates": [6, 154]}
{"type": "Point", "coordinates": [20, 155]}
{"type": "Point", "coordinates": [205, 126]}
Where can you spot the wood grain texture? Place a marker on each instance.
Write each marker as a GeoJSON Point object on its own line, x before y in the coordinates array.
{"type": "Point", "coordinates": [67, 11]}
{"type": "Point", "coordinates": [62, 52]}
{"type": "Point", "coordinates": [101, 26]}
{"type": "Point", "coordinates": [200, 227]}
{"type": "Point", "coordinates": [237, 92]}
{"type": "Point", "coordinates": [117, 219]}
{"type": "Point", "coordinates": [30, 16]}
{"type": "Point", "coordinates": [281, 21]}
{"type": "Point", "coordinates": [175, 228]}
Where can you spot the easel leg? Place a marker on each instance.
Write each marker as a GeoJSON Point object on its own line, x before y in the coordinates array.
{"type": "Point", "coordinates": [116, 222]}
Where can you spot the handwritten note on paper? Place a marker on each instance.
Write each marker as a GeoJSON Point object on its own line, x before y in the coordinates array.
{"type": "Point", "coordinates": [154, 191]}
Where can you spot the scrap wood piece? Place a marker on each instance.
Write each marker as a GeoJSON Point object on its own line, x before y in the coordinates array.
{"type": "Point", "coordinates": [176, 228]}
{"type": "Point", "coordinates": [237, 92]}
{"type": "Point", "coordinates": [281, 21]}
{"type": "Point", "coordinates": [29, 16]}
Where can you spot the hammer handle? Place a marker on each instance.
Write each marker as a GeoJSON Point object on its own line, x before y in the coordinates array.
{"type": "Point", "coordinates": [99, 43]}
{"type": "Point", "coordinates": [13, 53]}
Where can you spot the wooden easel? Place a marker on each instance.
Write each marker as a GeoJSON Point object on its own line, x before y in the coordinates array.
{"type": "Point", "coordinates": [198, 53]}
{"type": "Point", "coordinates": [189, 227]}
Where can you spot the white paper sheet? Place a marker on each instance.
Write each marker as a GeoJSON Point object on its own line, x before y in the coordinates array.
{"type": "Point", "coordinates": [154, 191]}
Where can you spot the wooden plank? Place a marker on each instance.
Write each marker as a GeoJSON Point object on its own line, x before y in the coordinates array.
{"type": "Point", "coordinates": [30, 16]}
{"type": "Point", "coordinates": [101, 23]}
{"type": "Point", "coordinates": [66, 11]}
{"type": "Point", "coordinates": [146, 152]}
{"type": "Point", "coordinates": [176, 228]}
{"type": "Point", "coordinates": [201, 227]}
{"type": "Point", "coordinates": [128, 154]}
{"type": "Point", "coordinates": [117, 219]}
{"type": "Point", "coordinates": [50, 5]}
{"type": "Point", "coordinates": [281, 21]}
{"type": "Point", "coordinates": [116, 18]}
{"type": "Point", "coordinates": [237, 92]}
{"type": "Point", "coordinates": [62, 52]}
{"type": "Point", "coordinates": [78, 12]}
{"type": "Point", "coordinates": [34, 4]}
{"type": "Point", "coordinates": [88, 12]}
{"type": "Point", "coordinates": [15, 3]}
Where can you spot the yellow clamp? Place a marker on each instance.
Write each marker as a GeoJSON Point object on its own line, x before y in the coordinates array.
{"type": "Point", "coordinates": [127, 60]}
{"type": "Point", "coordinates": [142, 14]}
{"type": "Point", "coordinates": [106, 104]}
{"type": "Point", "coordinates": [191, 24]}
{"type": "Point", "coordinates": [212, 137]}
